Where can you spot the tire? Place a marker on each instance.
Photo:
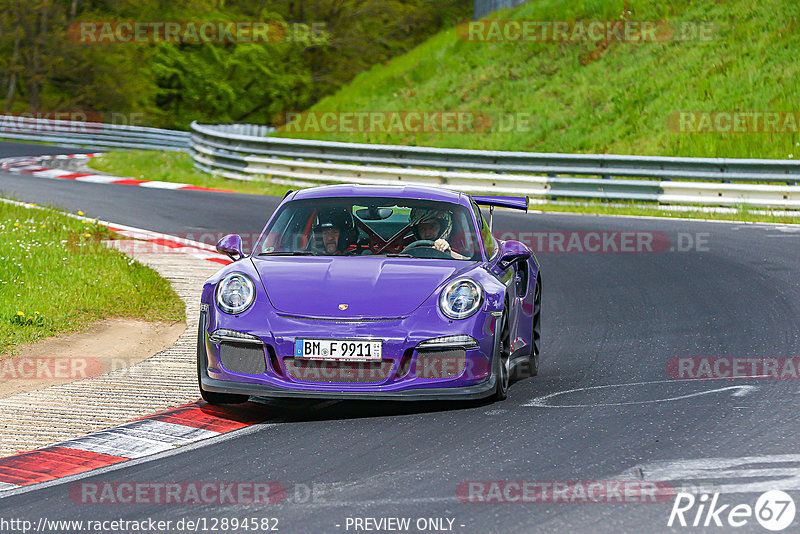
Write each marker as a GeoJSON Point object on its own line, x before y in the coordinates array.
{"type": "Point", "coordinates": [502, 358]}
{"type": "Point", "coordinates": [212, 397]}
{"type": "Point", "coordinates": [536, 338]}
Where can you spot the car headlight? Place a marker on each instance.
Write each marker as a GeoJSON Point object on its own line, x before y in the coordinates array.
{"type": "Point", "coordinates": [235, 293]}
{"type": "Point", "coordinates": [461, 298]}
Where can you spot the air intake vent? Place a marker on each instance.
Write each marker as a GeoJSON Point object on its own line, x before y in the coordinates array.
{"type": "Point", "coordinates": [440, 363]}
{"type": "Point", "coordinates": [342, 372]}
{"type": "Point", "coordinates": [243, 358]}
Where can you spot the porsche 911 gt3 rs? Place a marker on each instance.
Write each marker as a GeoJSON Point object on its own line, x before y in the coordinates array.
{"type": "Point", "coordinates": [371, 292]}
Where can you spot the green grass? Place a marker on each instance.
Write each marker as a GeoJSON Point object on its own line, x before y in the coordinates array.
{"type": "Point", "coordinates": [581, 97]}
{"type": "Point", "coordinates": [56, 276]}
{"type": "Point", "coordinates": [25, 141]}
{"type": "Point", "coordinates": [588, 98]}
{"type": "Point", "coordinates": [175, 167]}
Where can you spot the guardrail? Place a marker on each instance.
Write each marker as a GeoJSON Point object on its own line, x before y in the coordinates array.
{"type": "Point", "coordinates": [483, 8]}
{"type": "Point", "coordinates": [92, 134]}
{"type": "Point", "coordinates": [705, 181]}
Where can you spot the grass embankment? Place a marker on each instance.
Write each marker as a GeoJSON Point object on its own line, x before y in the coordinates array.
{"type": "Point", "coordinates": [584, 96]}
{"type": "Point", "coordinates": [56, 276]}
{"type": "Point", "coordinates": [613, 97]}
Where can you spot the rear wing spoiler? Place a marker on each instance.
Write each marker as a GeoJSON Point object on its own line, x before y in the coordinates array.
{"type": "Point", "coordinates": [517, 203]}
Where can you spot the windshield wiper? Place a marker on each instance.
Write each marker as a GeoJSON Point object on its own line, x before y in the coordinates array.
{"type": "Point", "coordinates": [294, 253]}
{"type": "Point", "coordinates": [394, 255]}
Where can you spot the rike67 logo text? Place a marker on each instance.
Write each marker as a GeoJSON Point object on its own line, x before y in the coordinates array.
{"type": "Point", "coordinates": [774, 510]}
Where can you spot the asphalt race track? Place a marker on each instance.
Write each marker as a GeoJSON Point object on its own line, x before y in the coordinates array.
{"type": "Point", "coordinates": [612, 323]}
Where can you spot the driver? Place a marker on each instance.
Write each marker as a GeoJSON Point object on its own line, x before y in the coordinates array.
{"type": "Point", "coordinates": [435, 225]}
{"type": "Point", "coordinates": [337, 229]}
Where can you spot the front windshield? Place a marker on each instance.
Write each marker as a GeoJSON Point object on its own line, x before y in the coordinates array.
{"type": "Point", "coordinates": [355, 226]}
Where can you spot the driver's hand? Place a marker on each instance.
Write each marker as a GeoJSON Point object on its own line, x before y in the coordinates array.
{"type": "Point", "coordinates": [441, 244]}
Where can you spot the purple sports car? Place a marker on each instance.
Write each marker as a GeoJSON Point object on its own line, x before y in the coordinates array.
{"type": "Point", "coordinates": [371, 292]}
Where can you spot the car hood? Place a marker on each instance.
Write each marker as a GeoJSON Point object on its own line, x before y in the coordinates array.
{"type": "Point", "coordinates": [365, 287]}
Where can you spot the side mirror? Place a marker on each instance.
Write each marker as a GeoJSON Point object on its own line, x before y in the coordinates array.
{"type": "Point", "coordinates": [231, 245]}
{"type": "Point", "coordinates": [513, 251]}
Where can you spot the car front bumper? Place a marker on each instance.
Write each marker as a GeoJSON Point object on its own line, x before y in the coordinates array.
{"type": "Point", "coordinates": [401, 382]}
{"type": "Point", "coordinates": [477, 391]}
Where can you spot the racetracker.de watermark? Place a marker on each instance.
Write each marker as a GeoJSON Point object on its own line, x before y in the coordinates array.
{"type": "Point", "coordinates": [556, 241]}
{"type": "Point", "coordinates": [55, 368]}
{"type": "Point", "coordinates": [68, 121]}
{"type": "Point", "coordinates": [687, 368]}
{"type": "Point", "coordinates": [406, 121]}
{"type": "Point", "coordinates": [737, 122]}
{"type": "Point", "coordinates": [178, 493]}
{"type": "Point", "coordinates": [568, 492]}
{"type": "Point", "coordinates": [607, 241]}
{"type": "Point", "coordinates": [397, 121]}
{"type": "Point", "coordinates": [134, 243]}
{"type": "Point", "coordinates": [197, 31]}
{"type": "Point", "coordinates": [575, 31]}
{"type": "Point", "coordinates": [428, 366]}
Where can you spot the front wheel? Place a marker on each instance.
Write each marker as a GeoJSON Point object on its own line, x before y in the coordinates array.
{"type": "Point", "coordinates": [502, 357]}
{"type": "Point", "coordinates": [212, 397]}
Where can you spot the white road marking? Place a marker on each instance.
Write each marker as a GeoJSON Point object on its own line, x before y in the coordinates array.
{"type": "Point", "coordinates": [29, 168]}
{"type": "Point", "coordinates": [137, 461]}
{"type": "Point", "coordinates": [162, 185]}
{"type": "Point", "coordinates": [701, 475]}
{"type": "Point", "coordinates": [98, 179]}
{"type": "Point", "coordinates": [116, 442]}
{"type": "Point", "coordinates": [51, 173]}
{"type": "Point", "coordinates": [542, 402]}
{"type": "Point", "coordinates": [140, 233]}
{"type": "Point", "coordinates": [168, 432]}
{"type": "Point", "coordinates": [139, 438]}
{"type": "Point", "coordinates": [368, 503]}
{"type": "Point", "coordinates": [6, 486]}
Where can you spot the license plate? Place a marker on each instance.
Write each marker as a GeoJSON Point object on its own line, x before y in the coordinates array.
{"type": "Point", "coordinates": [348, 350]}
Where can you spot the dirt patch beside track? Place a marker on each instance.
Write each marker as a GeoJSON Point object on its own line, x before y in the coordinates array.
{"type": "Point", "coordinates": [106, 346]}
{"type": "Point", "coordinates": [47, 415]}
